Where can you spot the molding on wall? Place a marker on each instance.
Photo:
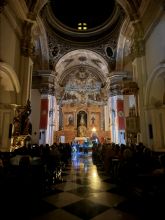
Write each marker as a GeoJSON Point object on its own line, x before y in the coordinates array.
{"type": "Point", "coordinates": [16, 26]}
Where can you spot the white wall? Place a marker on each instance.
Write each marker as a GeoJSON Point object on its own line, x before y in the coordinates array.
{"type": "Point", "coordinates": [155, 46]}
{"type": "Point", "coordinates": [9, 44]}
{"type": "Point", "coordinates": [157, 90]}
{"type": "Point", "coordinates": [155, 87]}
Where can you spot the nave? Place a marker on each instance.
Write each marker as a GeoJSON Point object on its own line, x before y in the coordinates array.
{"type": "Point", "coordinates": [82, 191]}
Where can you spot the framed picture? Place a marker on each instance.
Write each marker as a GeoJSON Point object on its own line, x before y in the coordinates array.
{"type": "Point", "coordinates": [69, 119]}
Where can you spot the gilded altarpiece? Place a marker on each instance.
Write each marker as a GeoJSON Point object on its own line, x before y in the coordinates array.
{"type": "Point", "coordinates": [71, 121]}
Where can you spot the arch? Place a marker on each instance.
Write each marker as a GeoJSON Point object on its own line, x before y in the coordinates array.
{"type": "Point", "coordinates": [7, 73]}
{"type": "Point", "coordinates": [130, 7]}
{"type": "Point", "coordinates": [159, 71]}
{"type": "Point", "coordinates": [81, 57]}
{"type": "Point", "coordinates": [124, 44]}
{"type": "Point", "coordinates": [40, 39]}
{"type": "Point", "coordinates": [88, 69]}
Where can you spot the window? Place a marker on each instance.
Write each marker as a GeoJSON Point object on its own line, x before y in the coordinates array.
{"type": "Point", "coordinates": [82, 26]}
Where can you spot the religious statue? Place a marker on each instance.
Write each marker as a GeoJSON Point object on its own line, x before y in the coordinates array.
{"type": "Point", "coordinates": [93, 119]}
{"type": "Point", "coordinates": [22, 127]}
{"type": "Point", "coordinates": [82, 128]}
{"type": "Point", "coordinates": [21, 122]}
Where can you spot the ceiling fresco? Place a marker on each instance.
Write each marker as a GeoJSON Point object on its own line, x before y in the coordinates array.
{"type": "Point", "coordinates": [83, 88]}
{"type": "Point", "coordinates": [81, 78]}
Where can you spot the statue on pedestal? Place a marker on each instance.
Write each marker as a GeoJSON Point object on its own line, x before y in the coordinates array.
{"type": "Point", "coordinates": [82, 128]}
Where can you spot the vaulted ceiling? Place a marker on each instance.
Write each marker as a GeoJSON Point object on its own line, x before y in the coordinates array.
{"type": "Point", "coordinates": [77, 52]}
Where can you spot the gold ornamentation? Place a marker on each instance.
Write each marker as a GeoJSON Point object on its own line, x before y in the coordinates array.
{"type": "Point", "coordinates": [21, 122]}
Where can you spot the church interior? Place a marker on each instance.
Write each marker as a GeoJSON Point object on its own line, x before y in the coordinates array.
{"type": "Point", "coordinates": [82, 109]}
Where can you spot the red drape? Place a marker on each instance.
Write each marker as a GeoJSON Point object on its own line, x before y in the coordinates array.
{"type": "Point", "coordinates": [44, 114]}
{"type": "Point", "coordinates": [120, 114]}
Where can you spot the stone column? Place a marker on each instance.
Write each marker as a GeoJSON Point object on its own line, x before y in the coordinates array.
{"type": "Point", "coordinates": [139, 76]}
{"type": "Point", "coordinates": [25, 79]}
{"type": "Point", "coordinates": [102, 119]}
{"type": "Point", "coordinates": [47, 117]}
{"type": "Point", "coordinates": [112, 103]}
{"type": "Point", "coordinates": [44, 82]}
{"type": "Point", "coordinates": [106, 118]}
{"type": "Point", "coordinates": [26, 64]}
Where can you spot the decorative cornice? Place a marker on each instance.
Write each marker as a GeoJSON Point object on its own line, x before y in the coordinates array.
{"type": "Point", "coordinates": [122, 84]}
{"type": "Point", "coordinates": [44, 81]}
{"type": "Point", "coordinates": [124, 88]}
{"type": "Point", "coordinates": [47, 90]}
{"type": "Point", "coordinates": [129, 87]}
{"type": "Point", "coordinates": [58, 48]}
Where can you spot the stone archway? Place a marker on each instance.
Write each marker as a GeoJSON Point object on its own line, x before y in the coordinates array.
{"type": "Point", "coordinates": [155, 111]}
{"type": "Point", "coordinates": [9, 89]}
{"type": "Point", "coordinates": [155, 88]}
{"type": "Point", "coordinates": [9, 84]}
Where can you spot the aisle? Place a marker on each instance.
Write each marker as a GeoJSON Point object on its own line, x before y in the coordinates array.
{"type": "Point", "coordinates": [84, 193]}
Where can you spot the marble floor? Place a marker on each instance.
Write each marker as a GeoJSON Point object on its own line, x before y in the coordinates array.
{"type": "Point", "coordinates": [84, 192]}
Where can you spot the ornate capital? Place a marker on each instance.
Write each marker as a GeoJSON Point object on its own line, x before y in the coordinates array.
{"type": "Point", "coordinates": [138, 48]}
{"type": "Point", "coordinates": [27, 47]}
{"type": "Point", "coordinates": [129, 87]}
{"type": "Point", "coordinates": [47, 90]}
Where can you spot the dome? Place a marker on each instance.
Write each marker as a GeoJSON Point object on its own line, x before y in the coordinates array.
{"type": "Point", "coordinates": [73, 13]}
{"type": "Point", "coordinates": [79, 21]}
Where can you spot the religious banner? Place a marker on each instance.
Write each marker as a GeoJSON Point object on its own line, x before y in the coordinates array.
{"type": "Point", "coordinates": [120, 114]}
{"type": "Point", "coordinates": [44, 114]}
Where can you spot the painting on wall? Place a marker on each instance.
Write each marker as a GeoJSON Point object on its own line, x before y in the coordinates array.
{"type": "Point", "coordinates": [69, 119]}
{"type": "Point", "coordinates": [94, 119]}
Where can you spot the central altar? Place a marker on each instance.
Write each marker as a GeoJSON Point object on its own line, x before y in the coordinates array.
{"type": "Point", "coordinates": [81, 140]}
{"type": "Point", "coordinates": [81, 123]}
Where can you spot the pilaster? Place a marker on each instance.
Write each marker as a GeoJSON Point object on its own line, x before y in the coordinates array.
{"type": "Point", "coordinates": [139, 76]}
